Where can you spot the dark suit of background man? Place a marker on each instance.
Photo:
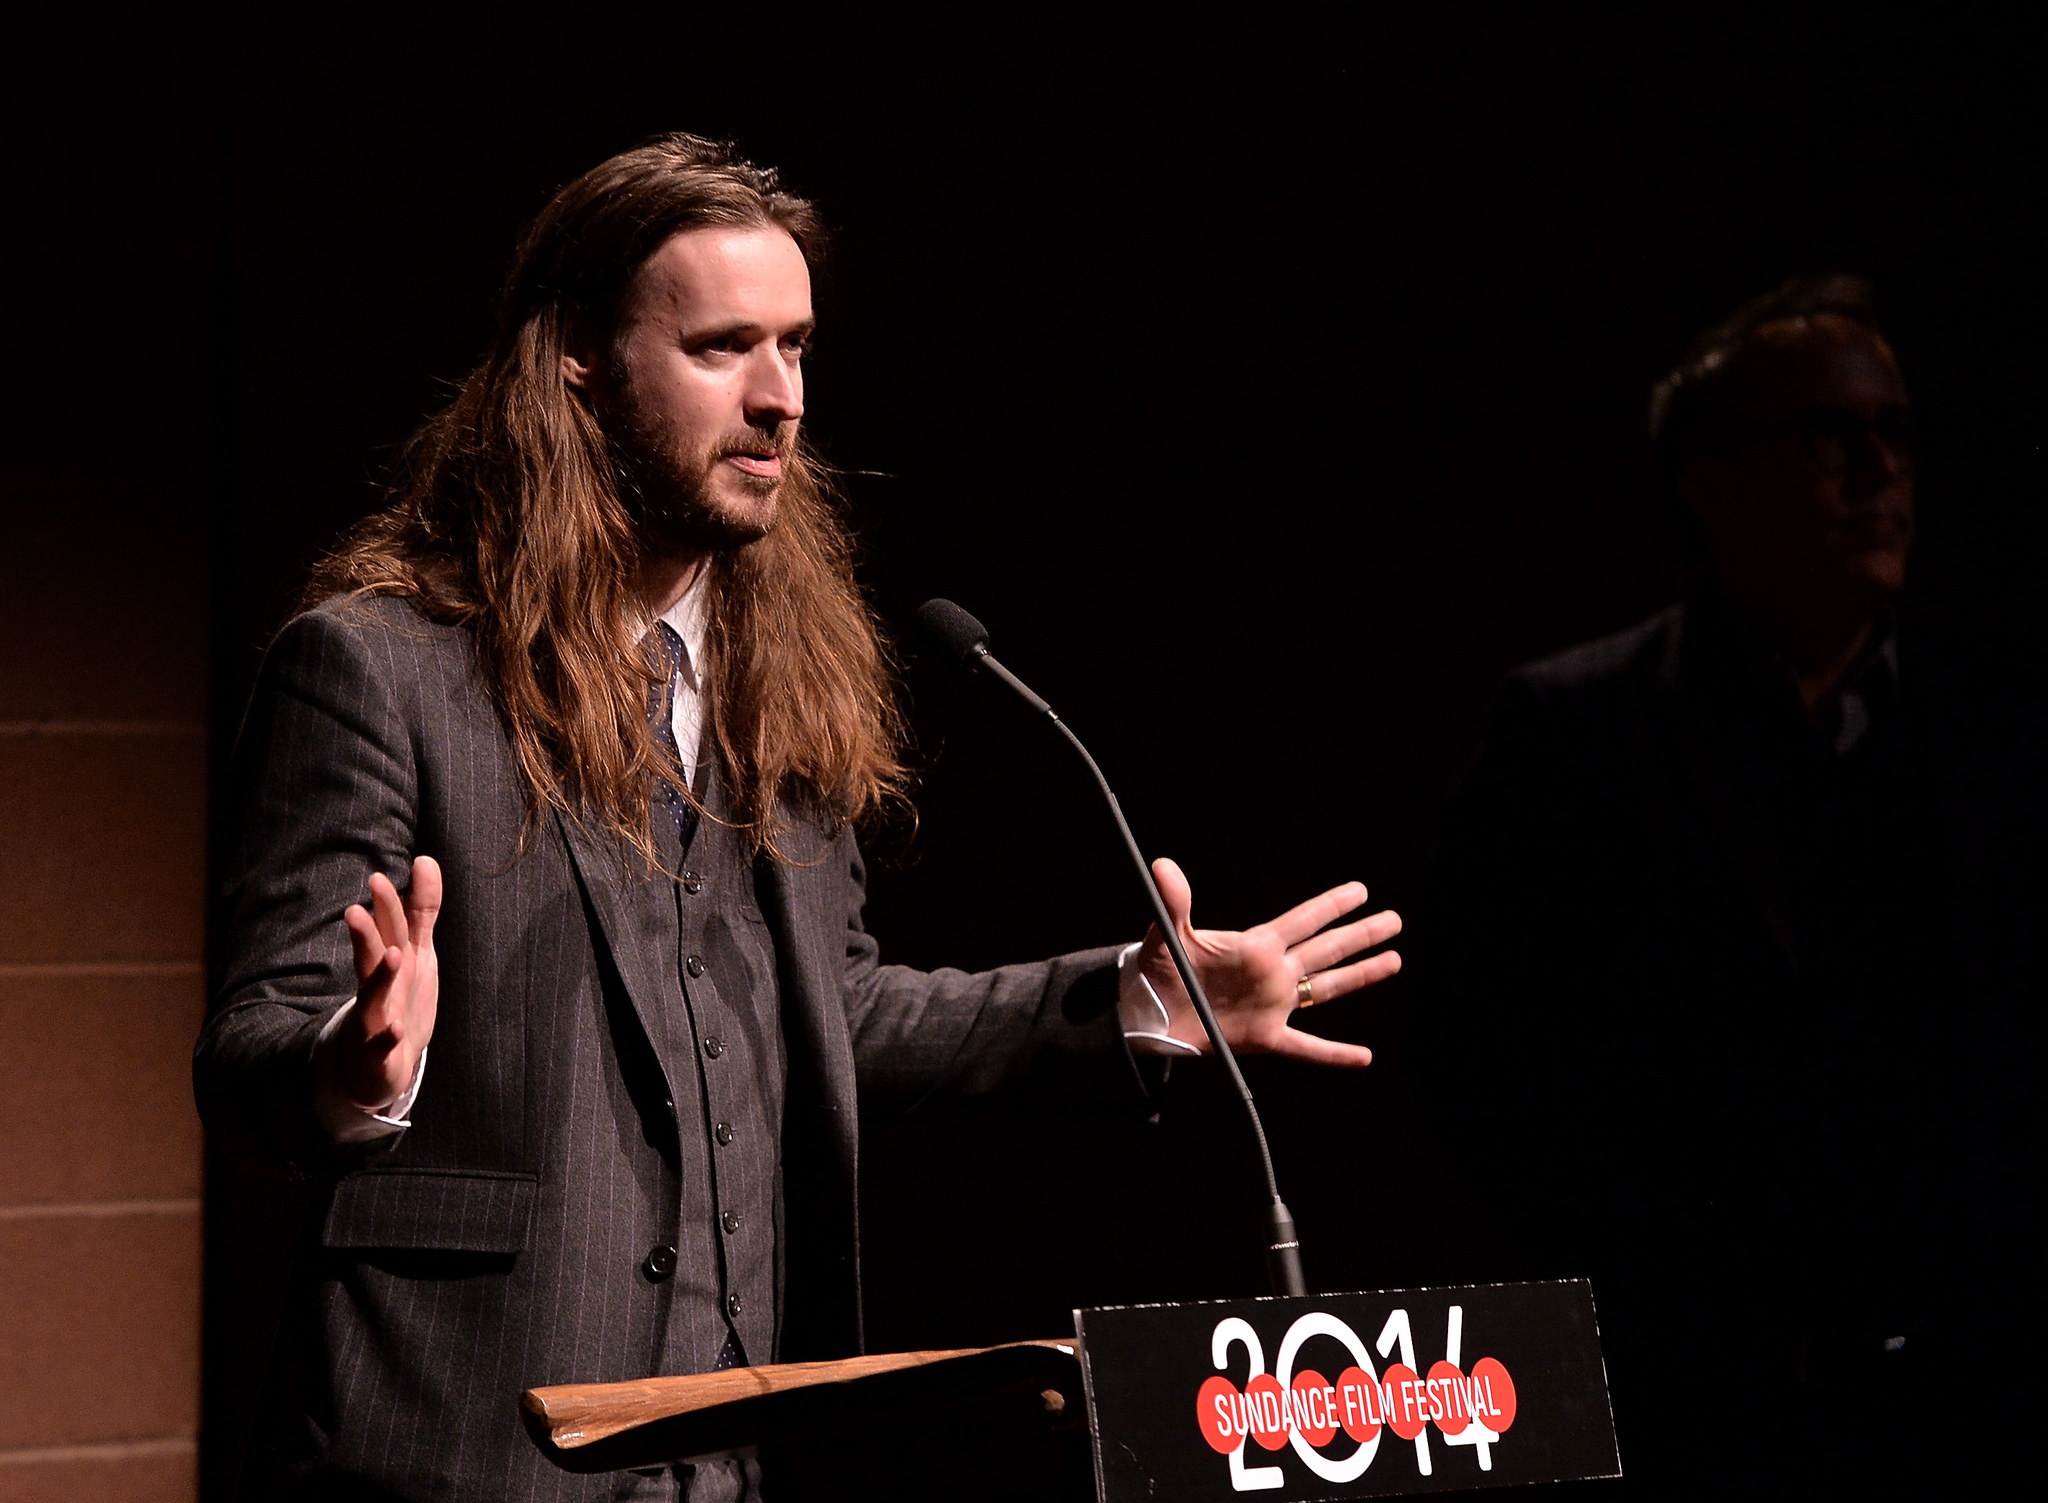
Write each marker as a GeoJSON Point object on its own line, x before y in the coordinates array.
{"type": "Point", "coordinates": [560, 771]}
{"type": "Point", "coordinates": [1773, 1100]}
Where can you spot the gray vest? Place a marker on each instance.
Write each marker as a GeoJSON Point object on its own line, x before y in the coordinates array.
{"type": "Point", "coordinates": [728, 1067]}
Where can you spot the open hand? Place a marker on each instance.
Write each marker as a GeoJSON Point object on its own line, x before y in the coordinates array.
{"type": "Point", "coordinates": [1254, 977]}
{"type": "Point", "coordinates": [378, 1045]}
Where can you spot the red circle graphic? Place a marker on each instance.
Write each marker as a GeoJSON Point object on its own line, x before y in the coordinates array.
{"type": "Point", "coordinates": [1219, 1410]}
{"type": "Point", "coordinates": [1407, 1401]}
{"type": "Point", "coordinates": [1358, 1405]}
{"type": "Point", "coordinates": [1315, 1407]}
{"type": "Point", "coordinates": [1447, 1391]}
{"type": "Point", "coordinates": [1268, 1408]}
{"type": "Point", "coordinates": [1493, 1395]}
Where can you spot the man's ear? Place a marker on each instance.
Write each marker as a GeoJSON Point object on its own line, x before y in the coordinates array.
{"type": "Point", "coordinates": [580, 358]}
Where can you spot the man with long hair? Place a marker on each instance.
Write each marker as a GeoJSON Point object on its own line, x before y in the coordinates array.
{"type": "Point", "coordinates": [575, 734]}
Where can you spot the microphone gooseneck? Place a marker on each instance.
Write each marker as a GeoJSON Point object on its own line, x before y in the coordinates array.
{"type": "Point", "coordinates": [965, 641]}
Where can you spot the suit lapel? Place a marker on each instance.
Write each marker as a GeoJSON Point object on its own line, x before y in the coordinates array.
{"type": "Point", "coordinates": [636, 912]}
{"type": "Point", "coordinates": [803, 901]}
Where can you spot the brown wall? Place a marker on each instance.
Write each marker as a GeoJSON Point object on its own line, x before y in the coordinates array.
{"type": "Point", "coordinates": [102, 864]}
{"type": "Point", "coordinates": [105, 492]}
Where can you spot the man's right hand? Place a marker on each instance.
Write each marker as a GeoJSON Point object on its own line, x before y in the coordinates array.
{"type": "Point", "coordinates": [374, 1051]}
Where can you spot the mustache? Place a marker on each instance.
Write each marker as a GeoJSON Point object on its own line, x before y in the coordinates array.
{"type": "Point", "coordinates": [781, 442]}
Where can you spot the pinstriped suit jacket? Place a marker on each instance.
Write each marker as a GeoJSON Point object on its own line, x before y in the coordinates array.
{"type": "Point", "coordinates": [497, 1244]}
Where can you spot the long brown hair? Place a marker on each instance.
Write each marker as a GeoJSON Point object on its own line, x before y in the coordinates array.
{"type": "Point", "coordinates": [506, 516]}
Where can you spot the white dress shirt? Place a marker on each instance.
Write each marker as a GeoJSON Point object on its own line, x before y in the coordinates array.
{"type": "Point", "coordinates": [686, 718]}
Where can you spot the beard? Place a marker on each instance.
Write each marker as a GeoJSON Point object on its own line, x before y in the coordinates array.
{"type": "Point", "coordinates": [682, 499]}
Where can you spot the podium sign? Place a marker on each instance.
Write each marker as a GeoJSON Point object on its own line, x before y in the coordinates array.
{"type": "Point", "coordinates": [1347, 1395]}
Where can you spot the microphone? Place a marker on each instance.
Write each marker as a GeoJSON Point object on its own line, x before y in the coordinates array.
{"type": "Point", "coordinates": [958, 636]}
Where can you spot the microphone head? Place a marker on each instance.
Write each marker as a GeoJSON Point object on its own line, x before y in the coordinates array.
{"type": "Point", "coordinates": [953, 632]}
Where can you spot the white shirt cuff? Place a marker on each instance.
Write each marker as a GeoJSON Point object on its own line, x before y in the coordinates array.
{"type": "Point", "coordinates": [1144, 1017]}
{"type": "Point", "coordinates": [344, 1121]}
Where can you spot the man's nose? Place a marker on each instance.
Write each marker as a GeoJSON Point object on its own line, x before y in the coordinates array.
{"type": "Point", "coordinates": [775, 390]}
{"type": "Point", "coordinates": [1880, 461]}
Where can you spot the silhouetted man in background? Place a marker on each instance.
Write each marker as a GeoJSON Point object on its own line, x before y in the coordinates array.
{"type": "Point", "coordinates": [1774, 1107]}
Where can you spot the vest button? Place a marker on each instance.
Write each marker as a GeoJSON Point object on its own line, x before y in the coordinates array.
{"type": "Point", "coordinates": [732, 1306]}
{"type": "Point", "coordinates": [694, 966]}
{"type": "Point", "coordinates": [732, 1221]}
{"type": "Point", "coordinates": [692, 883]}
{"type": "Point", "coordinates": [722, 1132]}
{"type": "Point", "coordinates": [661, 1262]}
{"type": "Point", "coordinates": [714, 1047]}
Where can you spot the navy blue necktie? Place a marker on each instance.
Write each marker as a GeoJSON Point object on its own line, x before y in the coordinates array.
{"type": "Point", "coordinates": [661, 718]}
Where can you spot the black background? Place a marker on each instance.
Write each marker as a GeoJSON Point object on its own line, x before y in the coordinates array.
{"type": "Point", "coordinates": [1269, 385]}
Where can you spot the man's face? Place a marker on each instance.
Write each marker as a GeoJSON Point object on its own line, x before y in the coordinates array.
{"type": "Point", "coordinates": [702, 388]}
{"type": "Point", "coordinates": [1806, 485]}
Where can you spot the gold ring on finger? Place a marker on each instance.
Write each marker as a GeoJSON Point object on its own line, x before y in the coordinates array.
{"type": "Point", "coordinates": [1304, 992]}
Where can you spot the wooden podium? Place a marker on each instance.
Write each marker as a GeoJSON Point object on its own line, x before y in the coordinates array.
{"type": "Point", "coordinates": [984, 1423]}
{"type": "Point", "coordinates": [1377, 1393]}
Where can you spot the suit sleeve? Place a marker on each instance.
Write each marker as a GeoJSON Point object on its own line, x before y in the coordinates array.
{"type": "Point", "coordinates": [1039, 1037]}
{"type": "Point", "coordinates": [323, 785]}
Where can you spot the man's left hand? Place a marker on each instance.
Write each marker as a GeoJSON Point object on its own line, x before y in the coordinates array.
{"type": "Point", "coordinates": [1254, 977]}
